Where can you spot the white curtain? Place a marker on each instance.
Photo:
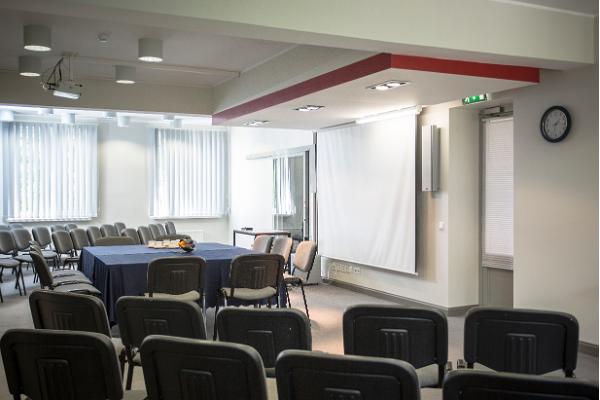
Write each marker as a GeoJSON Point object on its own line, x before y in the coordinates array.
{"type": "Point", "coordinates": [190, 173]}
{"type": "Point", "coordinates": [283, 202]}
{"type": "Point", "coordinates": [50, 171]}
{"type": "Point", "coordinates": [366, 179]}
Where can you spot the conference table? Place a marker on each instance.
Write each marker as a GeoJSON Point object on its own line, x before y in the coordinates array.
{"type": "Point", "coordinates": [122, 270]}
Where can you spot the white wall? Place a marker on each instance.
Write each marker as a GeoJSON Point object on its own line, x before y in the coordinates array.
{"type": "Point", "coordinates": [252, 180]}
{"type": "Point", "coordinates": [556, 200]}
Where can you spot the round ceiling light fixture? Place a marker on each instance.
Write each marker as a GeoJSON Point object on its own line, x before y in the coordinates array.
{"type": "Point", "coordinates": [30, 66]}
{"type": "Point", "coordinates": [150, 50]}
{"type": "Point", "coordinates": [125, 74]}
{"type": "Point", "coordinates": [37, 38]}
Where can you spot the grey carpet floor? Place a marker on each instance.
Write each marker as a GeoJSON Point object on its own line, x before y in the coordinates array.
{"type": "Point", "coordinates": [326, 305]}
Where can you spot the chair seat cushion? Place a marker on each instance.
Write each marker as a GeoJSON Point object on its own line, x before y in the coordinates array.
{"type": "Point", "coordinates": [26, 258]}
{"type": "Point", "coordinates": [49, 254]}
{"type": "Point", "coordinates": [75, 275]}
{"type": "Point", "coordinates": [134, 395]}
{"type": "Point", "coordinates": [79, 279]}
{"type": "Point", "coordinates": [189, 296]}
{"type": "Point", "coordinates": [249, 294]}
{"type": "Point", "coordinates": [428, 375]}
{"type": "Point", "coordinates": [292, 279]}
{"type": "Point", "coordinates": [78, 288]}
{"type": "Point", "coordinates": [8, 263]}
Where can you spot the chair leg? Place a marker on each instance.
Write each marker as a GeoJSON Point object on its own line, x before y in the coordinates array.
{"type": "Point", "coordinates": [304, 298]}
{"type": "Point", "coordinates": [287, 295]}
{"type": "Point", "coordinates": [129, 371]}
{"type": "Point", "coordinates": [1, 297]}
{"type": "Point", "coordinates": [216, 312]}
{"type": "Point", "coordinates": [23, 282]}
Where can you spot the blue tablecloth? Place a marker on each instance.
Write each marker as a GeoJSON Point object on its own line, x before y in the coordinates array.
{"type": "Point", "coordinates": [121, 270]}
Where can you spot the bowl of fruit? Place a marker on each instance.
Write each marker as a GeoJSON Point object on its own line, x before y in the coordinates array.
{"type": "Point", "coordinates": [187, 245]}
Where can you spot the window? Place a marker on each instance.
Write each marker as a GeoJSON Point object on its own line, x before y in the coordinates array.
{"type": "Point", "coordinates": [498, 194]}
{"type": "Point", "coordinates": [190, 173]}
{"type": "Point", "coordinates": [283, 201]}
{"type": "Point", "coordinates": [49, 171]}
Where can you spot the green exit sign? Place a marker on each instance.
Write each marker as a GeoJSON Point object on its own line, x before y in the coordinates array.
{"type": "Point", "coordinates": [474, 99]}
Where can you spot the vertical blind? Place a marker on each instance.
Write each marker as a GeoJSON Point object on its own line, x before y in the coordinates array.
{"type": "Point", "coordinates": [49, 171]}
{"type": "Point", "coordinates": [190, 173]}
{"type": "Point", "coordinates": [283, 202]}
{"type": "Point", "coordinates": [498, 194]}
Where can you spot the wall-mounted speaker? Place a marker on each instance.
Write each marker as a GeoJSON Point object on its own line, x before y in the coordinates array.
{"type": "Point", "coordinates": [430, 158]}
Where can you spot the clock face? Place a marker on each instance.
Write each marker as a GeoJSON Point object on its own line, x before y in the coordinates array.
{"type": "Point", "coordinates": [555, 124]}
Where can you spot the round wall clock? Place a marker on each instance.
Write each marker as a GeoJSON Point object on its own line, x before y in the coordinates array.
{"type": "Point", "coordinates": [555, 124]}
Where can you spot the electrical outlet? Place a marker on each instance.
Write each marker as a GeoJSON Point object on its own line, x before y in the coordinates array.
{"type": "Point", "coordinates": [357, 270]}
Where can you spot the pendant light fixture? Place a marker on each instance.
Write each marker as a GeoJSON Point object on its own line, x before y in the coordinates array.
{"type": "Point", "coordinates": [30, 66]}
{"type": "Point", "coordinates": [124, 74]}
{"type": "Point", "coordinates": [37, 38]}
{"type": "Point", "coordinates": [150, 50]}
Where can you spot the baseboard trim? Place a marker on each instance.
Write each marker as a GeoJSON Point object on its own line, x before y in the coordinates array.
{"type": "Point", "coordinates": [451, 312]}
{"type": "Point", "coordinates": [588, 348]}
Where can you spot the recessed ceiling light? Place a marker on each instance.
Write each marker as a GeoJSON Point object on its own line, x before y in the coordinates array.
{"type": "Point", "coordinates": [308, 108]}
{"type": "Point", "coordinates": [256, 122]}
{"type": "Point", "coordinates": [124, 74]}
{"type": "Point", "coordinates": [103, 37]}
{"type": "Point", "coordinates": [150, 50]}
{"type": "Point", "coordinates": [36, 38]}
{"type": "Point", "coordinates": [30, 66]}
{"type": "Point", "coordinates": [388, 85]}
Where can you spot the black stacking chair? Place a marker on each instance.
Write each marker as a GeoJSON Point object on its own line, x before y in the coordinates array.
{"type": "Point", "coordinates": [119, 226]}
{"type": "Point", "coordinates": [22, 238]}
{"type": "Point", "coordinates": [9, 248]}
{"type": "Point", "coordinates": [65, 248]}
{"type": "Point", "coordinates": [143, 316]}
{"type": "Point", "coordinates": [178, 368]}
{"type": "Point", "coordinates": [268, 331]}
{"type": "Point", "coordinates": [262, 243]}
{"type": "Point", "coordinates": [72, 312]}
{"type": "Point", "coordinates": [180, 278]}
{"type": "Point", "coordinates": [417, 336]}
{"type": "Point", "coordinates": [170, 228]}
{"type": "Point", "coordinates": [145, 234]}
{"type": "Point", "coordinates": [131, 233]}
{"type": "Point", "coordinates": [93, 234]}
{"type": "Point", "coordinates": [79, 238]}
{"type": "Point", "coordinates": [305, 375]}
{"type": "Point", "coordinates": [71, 283]}
{"type": "Point", "coordinates": [53, 365]}
{"type": "Point", "coordinates": [69, 227]}
{"type": "Point", "coordinates": [41, 235]}
{"type": "Point", "coordinates": [482, 385]}
{"type": "Point", "coordinates": [4, 228]}
{"type": "Point", "coordinates": [303, 261]}
{"type": "Point", "coordinates": [521, 341]}
{"type": "Point", "coordinates": [108, 230]}
{"type": "Point", "coordinates": [115, 241]}
{"type": "Point", "coordinates": [57, 228]}
{"type": "Point", "coordinates": [282, 245]}
{"type": "Point", "coordinates": [154, 230]}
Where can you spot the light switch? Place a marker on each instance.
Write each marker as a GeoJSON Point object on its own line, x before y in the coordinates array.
{"type": "Point", "coordinates": [441, 225]}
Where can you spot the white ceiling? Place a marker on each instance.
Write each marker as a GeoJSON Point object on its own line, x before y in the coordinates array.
{"type": "Point", "coordinates": [350, 101]}
{"type": "Point", "coordinates": [190, 49]}
{"type": "Point", "coordinates": [589, 7]}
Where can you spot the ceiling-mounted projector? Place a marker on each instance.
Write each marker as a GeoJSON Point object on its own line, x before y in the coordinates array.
{"type": "Point", "coordinates": [54, 80]}
{"type": "Point", "coordinates": [68, 90]}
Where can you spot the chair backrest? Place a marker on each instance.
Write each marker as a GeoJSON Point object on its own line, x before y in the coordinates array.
{"type": "Point", "coordinates": [282, 245]}
{"type": "Point", "coordinates": [305, 256]}
{"type": "Point", "coordinates": [523, 341]}
{"type": "Point", "coordinates": [69, 227]}
{"type": "Point", "coordinates": [303, 375]}
{"type": "Point", "coordinates": [93, 234]}
{"type": "Point", "coordinates": [115, 241]}
{"type": "Point", "coordinates": [62, 242]}
{"type": "Point", "coordinates": [417, 336]}
{"type": "Point", "coordinates": [161, 229]}
{"type": "Point", "coordinates": [4, 228]}
{"type": "Point", "coordinates": [131, 233]}
{"type": "Point", "coordinates": [145, 234]}
{"type": "Point", "coordinates": [144, 316]}
{"type": "Point", "coordinates": [41, 235]}
{"type": "Point", "coordinates": [53, 365]}
{"type": "Point", "coordinates": [119, 226]}
{"type": "Point", "coordinates": [475, 385]}
{"type": "Point", "coordinates": [7, 243]}
{"type": "Point", "coordinates": [256, 271]}
{"type": "Point", "coordinates": [154, 230]}
{"type": "Point", "coordinates": [41, 267]}
{"type": "Point", "coordinates": [178, 368]}
{"type": "Point", "coordinates": [268, 331]}
{"type": "Point", "coordinates": [68, 311]}
{"type": "Point", "coordinates": [16, 225]}
{"type": "Point", "coordinates": [57, 228]}
{"type": "Point", "coordinates": [79, 238]}
{"type": "Point", "coordinates": [176, 275]}
{"type": "Point", "coordinates": [262, 243]}
{"type": "Point", "coordinates": [170, 228]}
{"type": "Point", "coordinates": [108, 230]}
{"type": "Point", "coordinates": [22, 238]}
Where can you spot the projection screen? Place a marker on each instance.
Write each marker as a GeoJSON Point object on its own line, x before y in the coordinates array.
{"type": "Point", "coordinates": [366, 178]}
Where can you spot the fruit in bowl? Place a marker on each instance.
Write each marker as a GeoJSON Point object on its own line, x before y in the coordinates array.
{"type": "Point", "coordinates": [187, 245]}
